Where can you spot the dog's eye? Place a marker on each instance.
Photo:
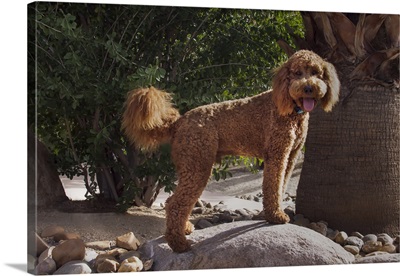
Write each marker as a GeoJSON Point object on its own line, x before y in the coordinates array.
{"type": "Point", "coordinates": [298, 73]}
{"type": "Point", "coordinates": [314, 72]}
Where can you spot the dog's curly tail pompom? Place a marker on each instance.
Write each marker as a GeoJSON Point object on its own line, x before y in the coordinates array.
{"type": "Point", "coordinates": [148, 116]}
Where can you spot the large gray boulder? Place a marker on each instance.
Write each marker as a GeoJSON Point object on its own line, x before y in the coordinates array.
{"type": "Point", "coordinates": [248, 244]}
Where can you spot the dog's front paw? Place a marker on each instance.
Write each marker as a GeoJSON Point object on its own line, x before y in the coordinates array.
{"type": "Point", "coordinates": [277, 217]}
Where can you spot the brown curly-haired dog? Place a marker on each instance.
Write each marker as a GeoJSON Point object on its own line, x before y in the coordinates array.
{"type": "Point", "coordinates": [272, 125]}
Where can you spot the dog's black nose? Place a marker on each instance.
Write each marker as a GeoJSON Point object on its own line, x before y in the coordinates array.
{"type": "Point", "coordinates": [308, 89]}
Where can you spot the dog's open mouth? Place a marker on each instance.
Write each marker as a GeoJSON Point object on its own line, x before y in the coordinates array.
{"type": "Point", "coordinates": [308, 104]}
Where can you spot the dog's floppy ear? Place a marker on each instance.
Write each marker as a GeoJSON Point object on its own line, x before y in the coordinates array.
{"type": "Point", "coordinates": [280, 90]}
{"type": "Point", "coordinates": [332, 81]}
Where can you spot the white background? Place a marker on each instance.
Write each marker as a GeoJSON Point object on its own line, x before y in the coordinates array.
{"type": "Point", "coordinates": [13, 99]}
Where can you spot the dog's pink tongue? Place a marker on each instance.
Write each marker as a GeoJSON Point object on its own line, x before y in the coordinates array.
{"type": "Point", "coordinates": [308, 104]}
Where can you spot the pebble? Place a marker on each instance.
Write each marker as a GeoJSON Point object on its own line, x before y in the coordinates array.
{"type": "Point", "coordinates": [319, 227]}
{"type": "Point", "coordinates": [341, 238]}
{"type": "Point", "coordinates": [352, 249]}
{"type": "Point", "coordinates": [101, 258]}
{"type": "Point", "coordinates": [370, 237]}
{"type": "Point", "coordinates": [357, 234]}
{"type": "Point", "coordinates": [199, 203]}
{"type": "Point", "coordinates": [128, 255]}
{"type": "Point", "coordinates": [74, 267]}
{"type": "Point", "coordinates": [385, 239]}
{"type": "Point", "coordinates": [128, 241]}
{"type": "Point", "coordinates": [241, 212]}
{"type": "Point", "coordinates": [332, 234]}
{"type": "Point", "coordinates": [133, 264]}
{"type": "Point", "coordinates": [108, 265]}
{"type": "Point", "coordinates": [65, 236]}
{"type": "Point", "coordinates": [203, 223]}
{"type": "Point", "coordinates": [305, 222]}
{"type": "Point", "coordinates": [90, 255]}
{"type": "Point", "coordinates": [99, 245]}
{"type": "Point", "coordinates": [198, 210]}
{"type": "Point", "coordinates": [371, 246]}
{"type": "Point", "coordinates": [45, 254]}
{"type": "Point", "coordinates": [226, 217]}
{"type": "Point", "coordinates": [46, 267]}
{"type": "Point", "coordinates": [67, 251]}
{"type": "Point", "coordinates": [51, 230]}
{"type": "Point", "coordinates": [356, 241]}
{"type": "Point", "coordinates": [396, 239]}
{"type": "Point", "coordinates": [117, 251]}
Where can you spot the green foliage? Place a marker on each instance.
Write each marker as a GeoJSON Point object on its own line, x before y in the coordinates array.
{"type": "Point", "coordinates": [84, 58]}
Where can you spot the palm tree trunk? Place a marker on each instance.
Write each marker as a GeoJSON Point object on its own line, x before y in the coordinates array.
{"type": "Point", "coordinates": [351, 171]}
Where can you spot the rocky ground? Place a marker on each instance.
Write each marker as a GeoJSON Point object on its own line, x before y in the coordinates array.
{"type": "Point", "coordinates": [107, 241]}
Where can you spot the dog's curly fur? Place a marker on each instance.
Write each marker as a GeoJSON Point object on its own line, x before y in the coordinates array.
{"type": "Point", "coordinates": [267, 126]}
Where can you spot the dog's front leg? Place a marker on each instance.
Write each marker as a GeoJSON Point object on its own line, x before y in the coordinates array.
{"type": "Point", "coordinates": [275, 164]}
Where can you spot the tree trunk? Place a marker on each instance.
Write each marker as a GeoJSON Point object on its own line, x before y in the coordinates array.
{"type": "Point", "coordinates": [350, 176]}
{"type": "Point", "coordinates": [351, 171]}
{"type": "Point", "coordinates": [45, 189]}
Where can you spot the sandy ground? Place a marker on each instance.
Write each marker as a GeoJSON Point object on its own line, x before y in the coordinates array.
{"type": "Point", "coordinates": [150, 223]}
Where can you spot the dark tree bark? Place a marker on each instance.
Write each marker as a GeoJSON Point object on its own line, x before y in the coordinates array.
{"type": "Point", "coordinates": [351, 172]}
{"type": "Point", "coordinates": [45, 189]}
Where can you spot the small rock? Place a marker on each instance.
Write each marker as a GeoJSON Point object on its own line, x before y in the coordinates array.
{"type": "Point", "coordinates": [241, 212]}
{"type": "Point", "coordinates": [256, 199]}
{"type": "Point", "coordinates": [341, 238]}
{"type": "Point", "coordinates": [226, 217]}
{"type": "Point", "coordinates": [101, 258]}
{"type": "Point", "coordinates": [128, 255]}
{"type": "Point", "coordinates": [52, 230]}
{"type": "Point", "coordinates": [128, 241]}
{"type": "Point", "coordinates": [396, 239]}
{"type": "Point", "coordinates": [70, 250]}
{"type": "Point", "coordinates": [352, 249]}
{"type": "Point", "coordinates": [304, 222]}
{"type": "Point", "coordinates": [319, 227]}
{"type": "Point", "coordinates": [385, 239]}
{"type": "Point", "coordinates": [357, 234]}
{"type": "Point", "coordinates": [215, 219]}
{"type": "Point", "coordinates": [147, 264]}
{"type": "Point", "coordinates": [116, 252]}
{"type": "Point", "coordinates": [132, 264]}
{"type": "Point", "coordinates": [46, 267]}
{"type": "Point", "coordinates": [332, 234]}
{"type": "Point", "coordinates": [203, 223]}
{"type": "Point", "coordinates": [199, 203]}
{"type": "Point", "coordinates": [99, 245]}
{"type": "Point", "coordinates": [74, 267]}
{"type": "Point", "coordinates": [370, 237]}
{"type": "Point", "coordinates": [108, 265]}
{"type": "Point", "coordinates": [208, 205]}
{"type": "Point", "coordinates": [259, 216]}
{"type": "Point", "coordinates": [45, 254]}
{"type": "Point", "coordinates": [352, 240]}
{"type": "Point", "coordinates": [65, 236]}
{"type": "Point", "coordinates": [371, 246]}
{"type": "Point", "coordinates": [389, 248]}
{"type": "Point", "coordinates": [197, 210]}
{"type": "Point", "coordinates": [220, 208]}
{"type": "Point", "coordinates": [90, 255]}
